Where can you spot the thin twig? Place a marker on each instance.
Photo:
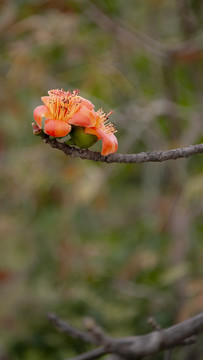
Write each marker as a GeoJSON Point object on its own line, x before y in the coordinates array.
{"type": "Point", "coordinates": [155, 325]}
{"type": "Point", "coordinates": [91, 355]}
{"type": "Point", "coordinates": [96, 332]}
{"type": "Point", "coordinates": [153, 156]}
{"type": "Point", "coordinates": [66, 328]}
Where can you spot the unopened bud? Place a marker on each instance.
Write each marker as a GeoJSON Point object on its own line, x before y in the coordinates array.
{"type": "Point", "coordinates": [82, 139]}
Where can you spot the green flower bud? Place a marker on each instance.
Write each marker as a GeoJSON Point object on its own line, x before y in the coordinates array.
{"type": "Point", "coordinates": [81, 139]}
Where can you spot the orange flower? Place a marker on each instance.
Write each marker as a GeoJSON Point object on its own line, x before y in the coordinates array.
{"type": "Point", "coordinates": [60, 109]}
{"type": "Point", "coordinates": [63, 109]}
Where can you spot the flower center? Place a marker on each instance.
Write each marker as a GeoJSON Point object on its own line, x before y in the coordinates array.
{"type": "Point", "coordinates": [63, 104]}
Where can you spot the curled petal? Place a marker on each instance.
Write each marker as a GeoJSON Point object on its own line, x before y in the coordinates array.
{"type": "Point", "coordinates": [56, 128]}
{"type": "Point", "coordinates": [83, 117]}
{"type": "Point", "coordinates": [40, 112]}
{"type": "Point", "coordinates": [109, 140]}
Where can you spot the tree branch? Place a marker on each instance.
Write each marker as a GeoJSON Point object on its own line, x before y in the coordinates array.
{"type": "Point", "coordinates": [66, 328]}
{"type": "Point", "coordinates": [134, 346]}
{"type": "Point", "coordinates": [189, 49]}
{"type": "Point", "coordinates": [153, 156]}
{"type": "Point", "coordinates": [91, 355]}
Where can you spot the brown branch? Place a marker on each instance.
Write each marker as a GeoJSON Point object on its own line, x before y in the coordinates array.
{"type": "Point", "coordinates": [153, 156]}
{"type": "Point", "coordinates": [89, 338]}
{"type": "Point", "coordinates": [66, 328]}
{"type": "Point", "coordinates": [91, 355]}
{"type": "Point", "coordinates": [140, 346]}
{"type": "Point", "coordinates": [134, 346]}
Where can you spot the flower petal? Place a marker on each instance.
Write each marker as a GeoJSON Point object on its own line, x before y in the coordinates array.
{"type": "Point", "coordinates": [109, 140]}
{"type": "Point", "coordinates": [87, 103]}
{"type": "Point", "coordinates": [40, 112]}
{"type": "Point", "coordinates": [45, 100]}
{"type": "Point", "coordinates": [51, 103]}
{"type": "Point", "coordinates": [83, 117]}
{"type": "Point", "coordinates": [56, 128]}
{"type": "Point", "coordinates": [109, 144]}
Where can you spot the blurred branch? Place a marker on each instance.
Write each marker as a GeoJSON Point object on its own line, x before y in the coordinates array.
{"type": "Point", "coordinates": [187, 17]}
{"type": "Point", "coordinates": [122, 31]}
{"type": "Point", "coordinates": [93, 354]}
{"type": "Point", "coordinates": [153, 156]}
{"type": "Point", "coordinates": [66, 328]}
{"type": "Point", "coordinates": [185, 51]}
{"type": "Point", "coordinates": [133, 346]}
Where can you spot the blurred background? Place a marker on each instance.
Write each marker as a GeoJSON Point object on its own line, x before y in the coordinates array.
{"type": "Point", "coordinates": [115, 242]}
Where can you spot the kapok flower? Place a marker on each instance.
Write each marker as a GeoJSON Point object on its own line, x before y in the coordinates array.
{"type": "Point", "coordinates": [64, 112]}
{"type": "Point", "coordinates": [62, 109]}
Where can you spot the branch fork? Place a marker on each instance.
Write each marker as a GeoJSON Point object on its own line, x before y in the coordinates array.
{"type": "Point", "coordinates": [134, 346]}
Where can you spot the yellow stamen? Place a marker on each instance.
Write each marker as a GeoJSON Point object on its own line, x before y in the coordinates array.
{"type": "Point", "coordinates": [104, 122]}
{"type": "Point", "coordinates": [63, 104]}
